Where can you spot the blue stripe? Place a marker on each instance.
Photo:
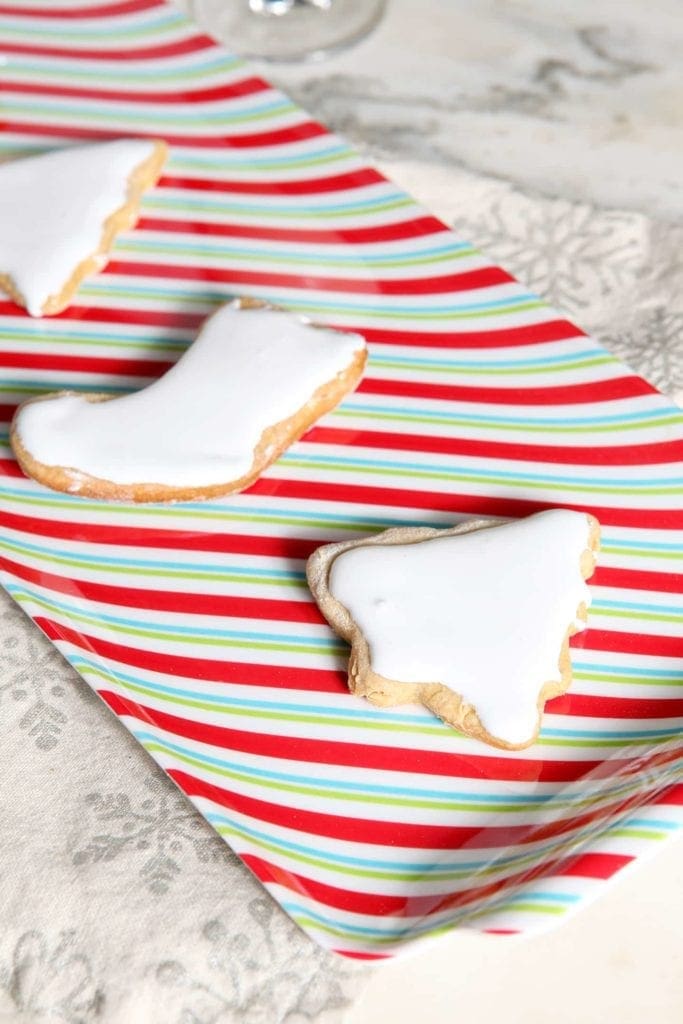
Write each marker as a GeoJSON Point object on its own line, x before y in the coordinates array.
{"type": "Point", "coordinates": [53, 65]}
{"type": "Point", "coordinates": [396, 304]}
{"type": "Point", "coordinates": [419, 866]}
{"type": "Point", "coordinates": [353, 714]}
{"type": "Point", "coordinates": [271, 107]}
{"type": "Point", "coordinates": [294, 207]}
{"type": "Point", "coordinates": [141, 22]}
{"type": "Point", "coordinates": [641, 545]}
{"type": "Point", "coordinates": [97, 560]}
{"type": "Point", "coordinates": [67, 336]}
{"type": "Point", "coordinates": [325, 643]}
{"type": "Point", "coordinates": [491, 364]}
{"type": "Point", "coordinates": [628, 482]}
{"type": "Point", "coordinates": [333, 784]}
{"type": "Point", "coordinates": [245, 511]}
{"type": "Point", "coordinates": [409, 866]}
{"type": "Point", "coordinates": [671, 826]}
{"type": "Point", "coordinates": [423, 410]}
{"type": "Point", "coordinates": [543, 897]}
{"type": "Point", "coordinates": [295, 909]}
{"type": "Point", "coordinates": [357, 258]}
{"type": "Point", "coordinates": [608, 734]}
{"type": "Point", "coordinates": [632, 606]}
{"type": "Point", "coordinates": [654, 673]}
{"type": "Point", "coordinates": [233, 159]}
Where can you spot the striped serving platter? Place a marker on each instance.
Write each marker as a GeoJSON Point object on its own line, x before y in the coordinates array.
{"type": "Point", "coordinates": [193, 622]}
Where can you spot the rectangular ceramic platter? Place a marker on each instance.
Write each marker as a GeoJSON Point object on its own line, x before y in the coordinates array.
{"type": "Point", "coordinates": [193, 622]}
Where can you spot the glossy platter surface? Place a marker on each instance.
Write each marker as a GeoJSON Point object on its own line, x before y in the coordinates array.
{"type": "Point", "coordinates": [193, 621]}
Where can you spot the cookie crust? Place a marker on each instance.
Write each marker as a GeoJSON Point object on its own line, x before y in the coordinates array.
{"type": "Point", "coordinates": [143, 177]}
{"type": "Point", "coordinates": [274, 440]}
{"type": "Point", "coordinates": [439, 698]}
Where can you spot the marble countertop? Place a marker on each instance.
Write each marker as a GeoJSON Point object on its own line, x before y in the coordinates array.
{"type": "Point", "coordinates": [582, 101]}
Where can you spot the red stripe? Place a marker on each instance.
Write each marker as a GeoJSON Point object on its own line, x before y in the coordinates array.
{"type": "Point", "coordinates": [569, 704]}
{"type": "Point", "coordinates": [103, 314]}
{"type": "Point", "coordinates": [271, 546]}
{"type": "Point", "coordinates": [330, 895]}
{"type": "Point", "coordinates": [392, 833]}
{"type": "Point", "coordinates": [91, 532]}
{"type": "Point", "coordinates": [627, 708]}
{"type": "Point", "coordinates": [434, 501]}
{"type": "Point", "coordinates": [422, 906]}
{"type": "Point", "coordinates": [467, 281]}
{"type": "Point", "coordinates": [381, 904]}
{"type": "Point", "coordinates": [637, 579]}
{"type": "Point", "coordinates": [593, 865]}
{"type": "Point", "coordinates": [496, 768]}
{"type": "Point", "coordinates": [501, 337]}
{"type": "Point", "coordinates": [8, 467]}
{"type": "Point", "coordinates": [85, 364]}
{"type": "Point", "coordinates": [619, 455]}
{"type": "Point", "coordinates": [473, 766]}
{"type": "Point", "coordinates": [565, 394]}
{"type": "Point", "coordinates": [167, 601]}
{"type": "Point", "coordinates": [275, 137]}
{"type": "Point", "coordinates": [105, 10]}
{"type": "Point", "coordinates": [631, 643]}
{"type": "Point", "coordinates": [190, 44]}
{"type": "Point", "coordinates": [672, 796]}
{"type": "Point", "coordinates": [238, 673]}
{"type": "Point", "coordinates": [457, 504]}
{"type": "Point", "coordinates": [230, 90]}
{"type": "Point", "coordinates": [306, 186]}
{"type": "Point", "coordinates": [418, 227]}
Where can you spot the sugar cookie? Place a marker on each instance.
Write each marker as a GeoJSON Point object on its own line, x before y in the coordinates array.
{"type": "Point", "coordinates": [60, 212]}
{"type": "Point", "coordinates": [250, 384]}
{"type": "Point", "coordinates": [473, 621]}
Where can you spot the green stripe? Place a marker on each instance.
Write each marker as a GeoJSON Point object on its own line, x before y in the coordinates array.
{"type": "Point", "coordinates": [217, 295]}
{"type": "Point", "coordinates": [460, 369]}
{"type": "Point", "coordinates": [317, 258]}
{"type": "Point", "coordinates": [330, 464]}
{"type": "Point", "coordinates": [126, 73]}
{"type": "Point", "coordinates": [58, 30]}
{"type": "Point", "coordinates": [348, 412]}
{"type": "Point", "coordinates": [137, 344]}
{"type": "Point", "coordinates": [163, 572]}
{"type": "Point", "coordinates": [204, 512]}
{"type": "Point", "coordinates": [637, 833]}
{"type": "Point", "coordinates": [60, 112]}
{"type": "Point", "coordinates": [635, 616]}
{"type": "Point", "coordinates": [330, 648]}
{"type": "Point", "coordinates": [154, 201]}
{"type": "Point", "coordinates": [621, 680]}
{"type": "Point", "coordinates": [610, 549]}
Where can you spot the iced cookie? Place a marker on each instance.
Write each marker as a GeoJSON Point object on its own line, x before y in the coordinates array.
{"type": "Point", "coordinates": [251, 383]}
{"type": "Point", "coordinates": [61, 211]}
{"type": "Point", "coordinates": [473, 622]}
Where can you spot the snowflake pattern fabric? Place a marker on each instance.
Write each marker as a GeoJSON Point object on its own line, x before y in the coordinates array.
{"type": "Point", "coordinates": [119, 903]}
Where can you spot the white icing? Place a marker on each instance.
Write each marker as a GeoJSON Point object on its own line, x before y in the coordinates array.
{"type": "Point", "coordinates": [52, 210]}
{"type": "Point", "coordinates": [198, 424]}
{"type": "Point", "coordinates": [484, 613]}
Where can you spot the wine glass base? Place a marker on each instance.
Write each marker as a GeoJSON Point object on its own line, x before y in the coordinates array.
{"type": "Point", "coordinates": [299, 32]}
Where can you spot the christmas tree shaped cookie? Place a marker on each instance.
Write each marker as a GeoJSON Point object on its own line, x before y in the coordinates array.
{"type": "Point", "coordinates": [61, 211]}
{"type": "Point", "coordinates": [473, 622]}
